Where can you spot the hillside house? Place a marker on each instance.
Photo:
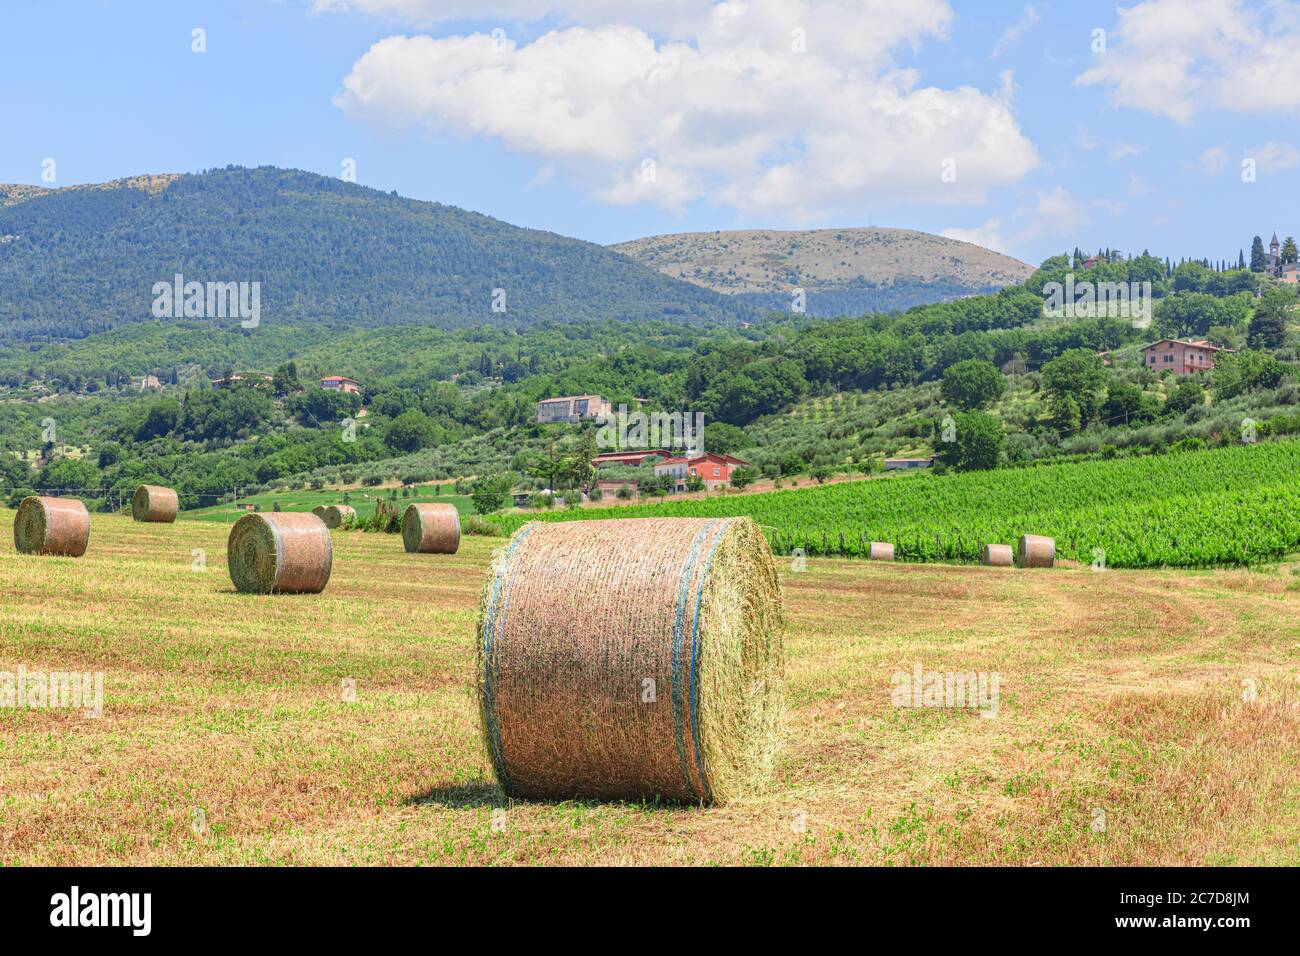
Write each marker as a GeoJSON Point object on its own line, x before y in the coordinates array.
{"type": "Point", "coordinates": [1290, 273]}
{"type": "Point", "coordinates": [715, 470]}
{"type": "Point", "coordinates": [629, 459]}
{"type": "Point", "coordinates": [1180, 357]}
{"type": "Point", "coordinates": [571, 408]}
{"type": "Point", "coordinates": [150, 383]}
{"type": "Point", "coordinates": [340, 383]}
{"type": "Point", "coordinates": [609, 487]}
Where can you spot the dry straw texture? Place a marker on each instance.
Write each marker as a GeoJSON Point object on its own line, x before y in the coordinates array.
{"type": "Point", "coordinates": [284, 553]}
{"type": "Point", "coordinates": [632, 658]}
{"type": "Point", "coordinates": [1035, 551]}
{"type": "Point", "coordinates": [431, 529]}
{"type": "Point", "coordinates": [880, 551]}
{"type": "Point", "coordinates": [336, 516]}
{"type": "Point", "coordinates": [52, 526]}
{"type": "Point", "coordinates": [155, 503]}
{"type": "Point", "coordinates": [996, 555]}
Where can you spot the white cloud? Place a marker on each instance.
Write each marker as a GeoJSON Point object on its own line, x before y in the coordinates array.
{"type": "Point", "coordinates": [1013, 33]}
{"type": "Point", "coordinates": [1176, 57]}
{"type": "Point", "coordinates": [1274, 157]}
{"type": "Point", "coordinates": [1120, 151]}
{"type": "Point", "coordinates": [731, 114]}
{"type": "Point", "coordinates": [1056, 214]}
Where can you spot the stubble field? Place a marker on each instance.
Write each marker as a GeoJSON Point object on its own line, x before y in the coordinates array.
{"type": "Point", "coordinates": [1144, 717]}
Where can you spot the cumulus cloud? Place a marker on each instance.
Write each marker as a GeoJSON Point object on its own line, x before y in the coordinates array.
{"type": "Point", "coordinates": [790, 107]}
{"type": "Point", "coordinates": [1055, 214]}
{"type": "Point", "coordinates": [1176, 57]}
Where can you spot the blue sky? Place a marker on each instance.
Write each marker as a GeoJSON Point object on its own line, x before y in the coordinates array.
{"type": "Point", "coordinates": [754, 113]}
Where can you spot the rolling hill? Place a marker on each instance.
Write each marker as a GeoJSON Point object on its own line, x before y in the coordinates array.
{"type": "Point", "coordinates": [80, 260]}
{"type": "Point", "coordinates": [842, 271]}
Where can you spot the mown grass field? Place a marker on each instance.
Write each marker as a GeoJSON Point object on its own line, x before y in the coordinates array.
{"type": "Point", "coordinates": [363, 499]}
{"type": "Point", "coordinates": [1121, 691]}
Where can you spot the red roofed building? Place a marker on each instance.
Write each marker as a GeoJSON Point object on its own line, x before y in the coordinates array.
{"type": "Point", "coordinates": [715, 470]}
{"type": "Point", "coordinates": [1179, 357]}
{"type": "Point", "coordinates": [630, 459]}
{"type": "Point", "coordinates": [340, 383]}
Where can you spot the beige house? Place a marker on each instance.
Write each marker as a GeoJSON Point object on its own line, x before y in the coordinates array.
{"type": "Point", "coordinates": [571, 408]}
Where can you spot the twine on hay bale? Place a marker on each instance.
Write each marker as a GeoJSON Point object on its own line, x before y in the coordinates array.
{"type": "Point", "coordinates": [1035, 551]}
{"type": "Point", "coordinates": [880, 551]}
{"type": "Point", "coordinates": [52, 526]}
{"type": "Point", "coordinates": [632, 658]}
{"type": "Point", "coordinates": [431, 529]}
{"type": "Point", "coordinates": [996, 555]}
{"type": "Point", "coordinates": [155, 503]}
{"type": "Point", "coordinates": [336, 516]}
{"type": "Point", "coordinates": [280, 553]}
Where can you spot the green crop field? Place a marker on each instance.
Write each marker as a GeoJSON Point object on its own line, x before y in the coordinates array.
{"type": "Point", "coordinates": [1229, 506]}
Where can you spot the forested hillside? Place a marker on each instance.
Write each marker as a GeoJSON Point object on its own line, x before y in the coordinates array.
{"type": "Point", "coordinates": [78, 261]}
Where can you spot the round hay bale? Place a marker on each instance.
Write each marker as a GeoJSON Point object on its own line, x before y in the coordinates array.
{"type": "Point", "coordinates": [280, 553]}
{"type": "Point", "coordinates": [996, 555]}
{"type": "Point", "coordinates": [431, 529]}
{"type": "Point", "coordinates": [52, 526]}
{"type": "Point", "coordinates": [336, 516]}
{"type": "Point", "coordinates": [632, 658]}
{"type": "Point", "coordinates": [319, 512]}
{"type": "Point", "coordinates": [880, 551]}
{"type": "Point", "coordinates": [1035, 551]}
{"type": "Point", "coordinates": [155, 503]}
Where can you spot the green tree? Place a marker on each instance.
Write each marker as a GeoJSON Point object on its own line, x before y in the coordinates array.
{"type": "Point", "coordinates": [725, 439]}
{"type": "Point", "coordinates": [490, 494]}
{"type": "Point", "coordinates": [1077, 374]}
{"type": "Point", "coordinates": [1257, 255]}
{"type": "Point", "coordinates": [1267, 329]}
{"type": "Point", "coordinates": [409, 431]}
{"type": "Point", "coordinates": [972, 384]}
{"type": "Point", "coordinates": [1245, 371]}
{"type": "Point", "coordinates": [977, 443]}
{"type": "Point", "coordinates": [1290, 253]}
{"type": "Point", "coordinates": [1184, 396]}
{"type": "Point", "coordinates": [743, 476]}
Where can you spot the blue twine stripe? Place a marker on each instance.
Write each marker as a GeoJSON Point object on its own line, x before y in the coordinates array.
{"type": "Point", "coordinates": [495, 746]}
{"type": "Point", "coordinates": [279, 554]}
{"type": "Point", "coordinates": [329, 542]}
{"type": "Point", "coordinates": [695, 661]}
{"type": "Point", "coordinates": [679, 627]}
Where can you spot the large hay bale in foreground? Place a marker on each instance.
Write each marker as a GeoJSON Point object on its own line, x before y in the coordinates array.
{"type": "Point", "coordinates": [280, 553]}
{"type": "Point", "coordinates": [632, 658]}
{"type": "Point", "coordinates": [1035, 551]}
{"type": "Point", "coordinates": [336, 516]}
{"type": "Point", "coordinates": [880, 551]}
{"type": "Point", "coordinates": [431, 529]}
{"type": "Point", "coordinates": [996, 555]}
{"type": "Point", "coordinates": [52, 526]}
{"type": "Point", "coordinates": [155, 503]}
